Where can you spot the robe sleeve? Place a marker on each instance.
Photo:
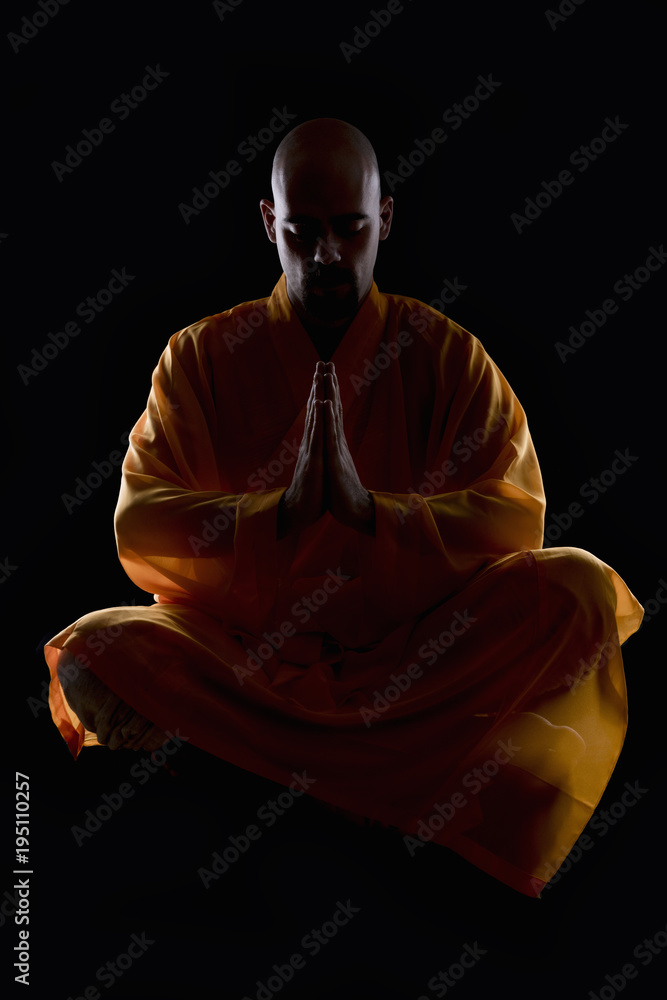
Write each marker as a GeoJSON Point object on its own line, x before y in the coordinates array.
{"type": "Point", "coordinates": [180, 535]}
{"type": "Point", "coordinates": [480, 496]}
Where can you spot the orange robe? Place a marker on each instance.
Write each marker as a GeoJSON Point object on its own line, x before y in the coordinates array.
{"type": "Point", "coordinates": [448, 676]}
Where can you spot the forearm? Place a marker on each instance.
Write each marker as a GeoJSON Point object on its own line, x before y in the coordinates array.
{"type": "Point", "coordinates": [168, 521]}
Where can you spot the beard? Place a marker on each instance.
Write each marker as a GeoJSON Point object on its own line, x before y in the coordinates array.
{"type": "Point", "coordinates": [326, 304]}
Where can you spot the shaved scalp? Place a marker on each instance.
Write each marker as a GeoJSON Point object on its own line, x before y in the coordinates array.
{"type": "Point", "coordinates": [324, 140]}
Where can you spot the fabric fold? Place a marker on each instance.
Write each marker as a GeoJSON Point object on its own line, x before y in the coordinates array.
{"type": "Point", "coordinates": [447, 676]}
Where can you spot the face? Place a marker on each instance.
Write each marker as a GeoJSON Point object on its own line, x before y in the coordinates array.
{"type": "Point", "coordinates": [327, 220]}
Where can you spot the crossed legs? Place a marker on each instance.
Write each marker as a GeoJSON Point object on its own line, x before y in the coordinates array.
{"type": "Point", "coordinates": [115, 723]}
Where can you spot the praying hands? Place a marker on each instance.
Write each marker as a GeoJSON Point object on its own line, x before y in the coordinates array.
{"type": "Point", "coordinates": [325, 477]}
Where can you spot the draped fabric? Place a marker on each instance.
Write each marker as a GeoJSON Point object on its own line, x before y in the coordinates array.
{"type": "Point", "coordinates": [447, 676]}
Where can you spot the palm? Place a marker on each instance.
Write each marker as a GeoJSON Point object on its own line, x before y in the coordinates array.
{"type": "Point", "coordinates": [346, 497]}
{"type": "Point", "coordinates": [325, 477]}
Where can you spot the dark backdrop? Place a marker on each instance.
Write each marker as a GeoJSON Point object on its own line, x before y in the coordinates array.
{"type": "Point", "coordinates": [224, 70]}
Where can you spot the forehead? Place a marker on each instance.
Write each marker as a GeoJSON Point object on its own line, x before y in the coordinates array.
{"type": "Point", "coordinates": [330, 186]}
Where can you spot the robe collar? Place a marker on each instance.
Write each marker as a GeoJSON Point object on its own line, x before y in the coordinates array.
{"type": "Point", "coordinates": [298, 354]}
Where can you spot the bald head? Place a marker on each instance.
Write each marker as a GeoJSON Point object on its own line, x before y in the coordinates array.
{"type": "Point", "coordinates": [323, 144]}
{"type": "Point", "coordinates": [327, 218]}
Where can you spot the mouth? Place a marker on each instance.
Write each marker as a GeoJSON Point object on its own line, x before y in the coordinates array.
{"type": "Point", "coordinates": [322, 287]}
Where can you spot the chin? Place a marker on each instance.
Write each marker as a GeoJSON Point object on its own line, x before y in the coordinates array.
{"type": "Point", "coordinates": [331, 306]}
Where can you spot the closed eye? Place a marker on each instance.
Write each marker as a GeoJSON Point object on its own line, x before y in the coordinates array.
{"type": "Point", "coordinates": [310, 237]}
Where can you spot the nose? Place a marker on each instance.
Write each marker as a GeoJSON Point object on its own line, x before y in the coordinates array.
{"type": "Point", "coordinates": [326, 250]}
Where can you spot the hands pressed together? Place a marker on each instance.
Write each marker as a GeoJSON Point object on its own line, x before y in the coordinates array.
{"type": "Point", "coordinates": [325, 477]}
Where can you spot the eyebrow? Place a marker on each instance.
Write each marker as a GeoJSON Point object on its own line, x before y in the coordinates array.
{"type": "Point", "coordinates": [348, 217]}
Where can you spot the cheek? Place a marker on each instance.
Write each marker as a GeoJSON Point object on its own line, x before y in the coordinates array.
{"type": "Point", "coordinates": [364, 253]}
{"type": "Point", "coordinates": [300, 260]}
{"type": "Point", "coordinates": [288, 256]}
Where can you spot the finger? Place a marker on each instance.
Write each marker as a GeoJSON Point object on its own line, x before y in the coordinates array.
{"type": "Point", "coordinates": [331, 429]}
{"type": "Point", "coordinates": [320, 370]}
{"type": "Point", "coordinates": [108, 718]}
{"type": "Point", "coordinates": [336, 390]}
{"type": "Point", "coordinates": [140, 734]}
{"type": "Point", "coordinates": [154, 739]}
{"type": "Point", "coordinates": [318, 416]}
{"type": "Point", "coordinates": [127, 728]}
{"type": "Point", "coordinates": [316, 392]}
{"type": "Point", "coordinates": [329, 386]}
{"type": "Point", "coordinates": [333, 385]}
{"type": "Point", "coordinates": [319, 385]}
{"type": "Point", "coordinates": [333, 394]}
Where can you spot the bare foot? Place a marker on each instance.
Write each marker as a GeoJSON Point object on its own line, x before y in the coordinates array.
{"type": "Point", "coordinates": [114, 722]}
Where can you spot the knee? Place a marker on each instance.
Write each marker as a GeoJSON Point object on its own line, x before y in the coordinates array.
{"type": "Point", "coordinates": [575, 581]}
{"type": "Point", "coordinates": [83, 691]}
{"type": "Point", "coordinates": [572, 568]}
{"type": "Point", "coordinates": [69, 668]}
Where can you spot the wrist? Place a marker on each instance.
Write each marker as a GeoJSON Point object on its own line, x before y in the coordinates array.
{"type": "Point", "coordinates": [283, 518]}
{"type": "Point", "coordinates": [366, 522]}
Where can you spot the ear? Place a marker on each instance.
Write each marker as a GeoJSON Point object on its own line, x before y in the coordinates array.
{"type": "Point", "coordinates": [386, 215]}
{"type": "Point", "coordinates": [268, 210]}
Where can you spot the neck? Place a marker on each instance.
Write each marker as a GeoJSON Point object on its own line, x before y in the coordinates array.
{"type": "Point", "coordinates": [325, 337]}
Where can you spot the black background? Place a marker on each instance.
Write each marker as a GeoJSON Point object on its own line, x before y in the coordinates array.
{"type": "Point", "coordinates": [119, 208]}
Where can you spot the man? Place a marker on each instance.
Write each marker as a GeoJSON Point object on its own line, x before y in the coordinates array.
{"type": "Point", "coordinates": [334, 498]}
